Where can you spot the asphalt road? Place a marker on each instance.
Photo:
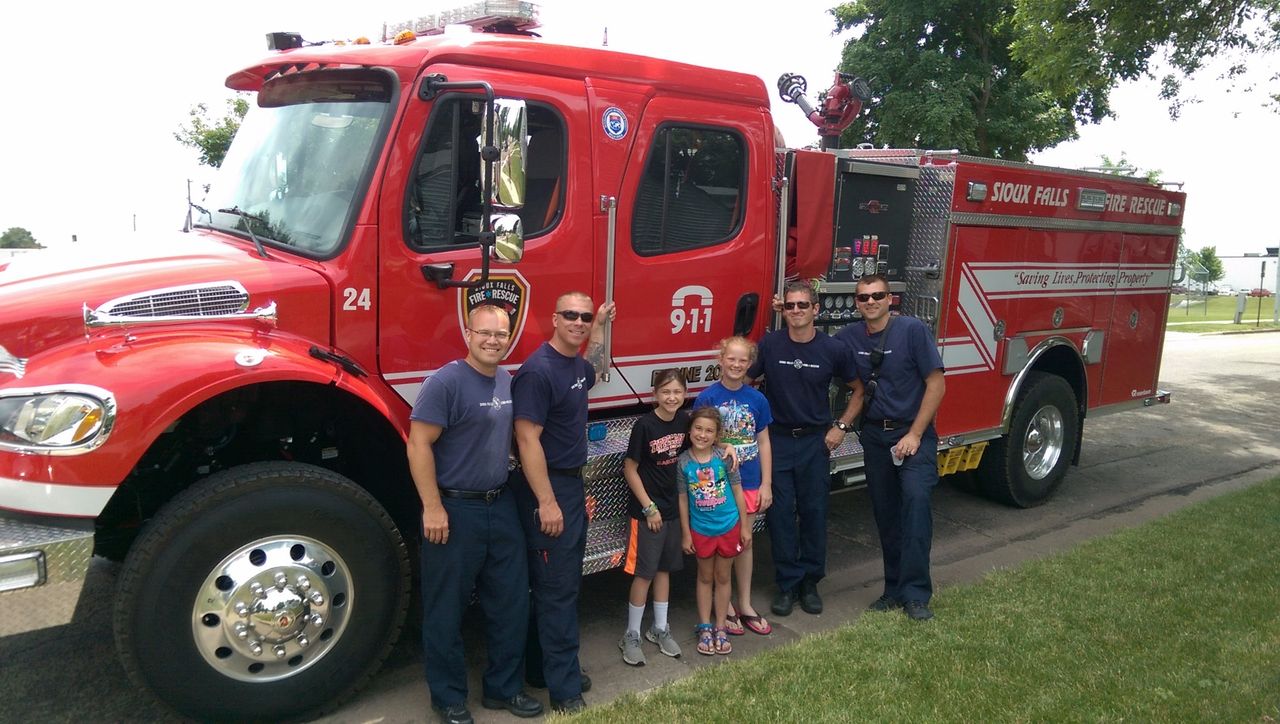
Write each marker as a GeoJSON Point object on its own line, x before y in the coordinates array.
{"type": "Point", "coordinates": [1221, 433]}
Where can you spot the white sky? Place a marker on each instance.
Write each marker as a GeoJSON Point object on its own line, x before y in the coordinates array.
{"type": "Point", "coordinates": [92, 96]}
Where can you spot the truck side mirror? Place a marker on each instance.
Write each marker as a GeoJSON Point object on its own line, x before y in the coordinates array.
{"type": "Point", "coordinates": [511, 134]}
{"type": "Point", "coordinates": [508, 238]}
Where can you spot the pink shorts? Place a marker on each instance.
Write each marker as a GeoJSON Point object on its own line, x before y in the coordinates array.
{"type": "Point", "coordinates": [752, 499]}
{"type": "Point", "coordinates": [725, 545]}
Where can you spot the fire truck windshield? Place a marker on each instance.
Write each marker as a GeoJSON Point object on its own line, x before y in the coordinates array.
{"type": "Point", "coordinates": [299, 163]}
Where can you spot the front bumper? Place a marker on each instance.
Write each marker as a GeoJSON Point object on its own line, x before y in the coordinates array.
{"type": "Point", "coordinates": [43, 564]}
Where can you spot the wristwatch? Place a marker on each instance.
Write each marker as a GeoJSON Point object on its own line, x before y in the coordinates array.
{"type": "Point", "coordinates": [842, 425]}
{"type": "Point", "coordinates": [650, 509]}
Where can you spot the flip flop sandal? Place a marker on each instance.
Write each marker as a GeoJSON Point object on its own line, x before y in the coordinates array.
{"type": "Point", "coordinates": [757, 624]}
{"type": "Point", "coordinates": [733, 625]}
{"type": "Point", "coordinates": [722, 642]}
{"type": "Point", "coordinates": [706, 639]}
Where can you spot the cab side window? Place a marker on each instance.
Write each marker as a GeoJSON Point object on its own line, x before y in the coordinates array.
{"type": "Point", "coordinates": [445, 200]}
{"type": "Point", "coordinates": [692, 192]}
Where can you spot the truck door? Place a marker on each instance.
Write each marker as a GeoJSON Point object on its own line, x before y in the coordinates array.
{"type": "Point", "coordinates": [693, 238]}
{"type": "Point", "coordinates": [430, 216]}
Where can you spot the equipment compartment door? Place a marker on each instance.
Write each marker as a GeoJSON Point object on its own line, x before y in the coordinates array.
{"type": "Point", "coordinates": [1135, 338]}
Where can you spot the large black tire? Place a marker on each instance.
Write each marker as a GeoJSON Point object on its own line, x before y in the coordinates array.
{"type": "Point", "coordinates": [292, 559]}
{"type": "Point", "coordinates": [1025, 467]}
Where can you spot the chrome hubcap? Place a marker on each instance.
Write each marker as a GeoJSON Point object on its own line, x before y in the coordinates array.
{"type": "Point", "coordinates": [1042, 444]}
{"type": "Point", "coordinates": [272, 608]}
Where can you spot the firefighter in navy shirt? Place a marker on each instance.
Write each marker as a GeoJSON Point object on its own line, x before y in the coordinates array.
{"type": "Point", "coordinates": [898, 425]}
{"type": "Point", "coordinates": [459, 444]}
{"type": "Point", "coordinates": [550, 394]}
{"type": "Point", "coordinates": [798, 364]}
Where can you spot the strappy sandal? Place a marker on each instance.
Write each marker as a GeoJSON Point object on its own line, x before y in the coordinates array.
{"type": "Point", "coordinates": [757, 624]}
{"type": "Point", "coordinates": [733, 625]}
{"type": "Point", "coordinates": [706, 639]}
{"type": "Point", "coordinates": [722, 642]}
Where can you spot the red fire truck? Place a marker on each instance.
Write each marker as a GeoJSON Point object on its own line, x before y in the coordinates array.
{"type": "Point", "coordinates": [226, 411]}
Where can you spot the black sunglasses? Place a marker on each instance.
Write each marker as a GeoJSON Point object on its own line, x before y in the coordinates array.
{"type": "Point", "coordinates": [872, 295]}
{"type": "Point", "coordinates": [797, 305]}
{"type": "Point", "coordinates": [574, 315]}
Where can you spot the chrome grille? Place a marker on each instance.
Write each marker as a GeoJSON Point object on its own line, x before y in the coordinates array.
{"type": "Point", "coordinates": [203, 300]}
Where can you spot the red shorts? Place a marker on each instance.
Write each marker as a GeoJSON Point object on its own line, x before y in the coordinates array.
{"type": "Point", "coordinates": [752, 500]}
{"type": "Point", "coordinates": [725, 545]}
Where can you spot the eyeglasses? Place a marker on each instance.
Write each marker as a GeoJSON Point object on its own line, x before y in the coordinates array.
{"type": "Point", "coordinates": [872, 295]}
{"type": "Point", "coordinates": [491, 334]}
{"type": "Point", "coordinates": [797, 305]}
{"type": "Point", "coordinates": [573, 315]}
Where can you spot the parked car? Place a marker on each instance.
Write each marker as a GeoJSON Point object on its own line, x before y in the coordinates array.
{"type": "Point", "coordinates": [1178, 289]}
{"type": "Point", "coordinates": [1259, 292]}
{"type": "Point", "coordinates": [1226, 290]}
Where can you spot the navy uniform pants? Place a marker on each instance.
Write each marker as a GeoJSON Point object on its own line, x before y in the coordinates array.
{"type": "Point", "coordinates": [485, 552]}
{"type": "Point", "coordinates": [555, 577]}
{"type": "Point", "coordinates": [798, 516]}
{"type": "Point", "coordinates": [901, 500]}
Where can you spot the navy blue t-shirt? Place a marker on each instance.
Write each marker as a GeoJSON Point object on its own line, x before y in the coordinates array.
{"type": "Point", "coordinates": [550, 390]}
{"type": "Point", "coordinates": [475, 412]}
{"type": "Point", "coordinates": [797, 375]}
{"type": "Point", "coordinates": [910, 355]}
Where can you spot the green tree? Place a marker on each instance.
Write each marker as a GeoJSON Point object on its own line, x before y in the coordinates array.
{"type": "Point", "coordinates": [17, 237]}
{"type": "Point", "coordinates": [211, 138]}
{"type": "Point", "coordinates": [1207, 258]}
{"type": "Point", "coordinates": [942, 76]}
{"type": "Point", "coordinates": [1094, 44]}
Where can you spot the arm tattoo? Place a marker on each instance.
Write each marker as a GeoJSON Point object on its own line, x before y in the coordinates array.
{"type": "Point", "coordinates": [595, 355]}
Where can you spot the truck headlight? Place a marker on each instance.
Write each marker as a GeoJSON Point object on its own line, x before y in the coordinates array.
{"type": "Point", "coordinates": [67, 420]}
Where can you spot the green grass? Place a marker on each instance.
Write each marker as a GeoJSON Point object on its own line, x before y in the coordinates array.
{"type": "Point", "coordinates": [1209, 309]}
{"type": "Point", "coordinates": [1176, 620]}
{"type": "Point", "coordinates": [1218, 328]}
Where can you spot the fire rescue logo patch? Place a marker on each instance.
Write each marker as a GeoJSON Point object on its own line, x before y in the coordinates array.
{"type": "Point", "coordinates": [507, 290]}
{"type": "Point", "coordinates": [615, 123]}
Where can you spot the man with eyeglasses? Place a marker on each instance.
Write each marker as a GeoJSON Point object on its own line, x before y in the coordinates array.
{"type": "Point", "coordinates": [459, 444]}
{"type": "Point", "coordinates": [798, 364]}
{"type": "Point", "coordinates": [901, 371]}
{"type": "Point", "coordinates": [550, 392]}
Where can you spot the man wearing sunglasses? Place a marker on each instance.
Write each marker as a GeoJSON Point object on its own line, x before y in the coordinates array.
{"type": "Point", "coordinates": [550, 394]}
{"type": "Point", "coordinates": [902, 374]}
{"type": "Point", "coordinates": [798, 364]}
{"type": "Point", "coordinates": [459, 442]}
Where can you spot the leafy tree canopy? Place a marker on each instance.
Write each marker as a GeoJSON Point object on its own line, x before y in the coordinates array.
{"type": "Point", "coordinates": [1207, 259]}
{"type": "Point", "coordinates": [942, 76]}
{"type": "Point", "coordinates": [212, 137]}
{"type": "Point", "coordinates": [17, 237]}
{"type": "Point", "coordinates": [1097, 43]}
{"type": "Point", "coordinates": [1004, 78]}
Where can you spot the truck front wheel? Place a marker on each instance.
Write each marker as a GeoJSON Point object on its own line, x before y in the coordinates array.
{"type": "Point", "coordinates": [1026, 466]}
{"type": "Point", "coordinates": [268, 591]}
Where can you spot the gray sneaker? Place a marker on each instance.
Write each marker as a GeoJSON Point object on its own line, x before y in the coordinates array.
{"type": "Point", "coordinates": [662, 637]}
{"type": "Point", "coordinates": [630, 645]}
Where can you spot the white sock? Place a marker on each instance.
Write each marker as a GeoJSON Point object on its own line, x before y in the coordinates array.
{"type": "Point", "coordinates": [634, 616]}
{"type": "Point", "coordinates": [660, 615]}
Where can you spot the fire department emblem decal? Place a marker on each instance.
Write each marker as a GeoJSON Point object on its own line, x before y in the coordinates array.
{"type": "Point", "coordinates": [508, 290]}
{"type": "Point", "coordinates": [615, 123]}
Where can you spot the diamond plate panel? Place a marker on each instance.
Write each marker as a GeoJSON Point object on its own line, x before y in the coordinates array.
{"type": "Point", "coordinates": [67, 551]}
{"type": "Point", "coordinates": [930, 227]}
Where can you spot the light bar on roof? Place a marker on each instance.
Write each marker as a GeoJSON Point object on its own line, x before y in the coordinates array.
{"type": "Point", "coordinates": [513, 13]}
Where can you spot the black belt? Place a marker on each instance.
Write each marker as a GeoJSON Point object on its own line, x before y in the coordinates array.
{"type": "Point", "coordinates": [890, 424]}
{"type": "Point", "coordinates": [797, 431]}
{"type": "Point", "coordinates": [575, 472]}
{"type": "Point", "coordinates": [487, 496]}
